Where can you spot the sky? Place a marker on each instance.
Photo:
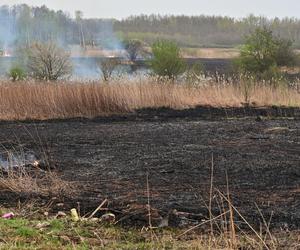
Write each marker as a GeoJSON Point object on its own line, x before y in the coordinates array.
{"type": "Point", "coordinates": [123, 8]}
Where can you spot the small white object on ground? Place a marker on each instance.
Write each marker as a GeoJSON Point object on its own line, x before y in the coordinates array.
{"type": "Point", "coordinates": [109, 217]}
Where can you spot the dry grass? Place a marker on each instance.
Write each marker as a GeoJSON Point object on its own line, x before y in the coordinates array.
{"type": "Point", "coordinates": [210, 53]}
{"type": "Point", "coordinates": [39, 100]}
{"type": "Point", "coordinates": [20, 181]}
{"type": "Point", "coordinates": [225, 230]}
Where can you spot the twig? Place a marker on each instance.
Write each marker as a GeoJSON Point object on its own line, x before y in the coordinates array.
{"type": "Point", "coordinates": [242, 217]}
{"type": "Point", "coordinates": [203, 223]}
{"type": "Point", "coordinates": [232, 227]}
{"type": "Point", "coordinates": [267, 225]}
{"type": "Point", "coordinates": [97, 209]}
{"type": "Point", "coordinates": [211, 193]}
{"type": "Point", "coordinates": [148, 198]}
{"type": "Point", "coordinates": [99, 238]}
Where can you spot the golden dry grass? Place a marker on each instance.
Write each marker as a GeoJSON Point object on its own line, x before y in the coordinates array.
{"type": "Point", "coordinates": [210, 53]}
{"type": "Point", "coordinates": [20, 181]}
{"type": "Point", "coordinates": [39, 100]}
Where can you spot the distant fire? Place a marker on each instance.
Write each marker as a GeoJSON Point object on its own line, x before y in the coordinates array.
{"type": "Point", "coordinates": [5, 53]}
{"type": "Point", "coordinates": [111, 53]}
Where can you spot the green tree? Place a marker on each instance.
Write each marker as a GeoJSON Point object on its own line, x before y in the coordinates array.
{"type": "Point", "coordinates": [263, 53]}
{"type": "Point", "coordinates": [134, 48]}
{"type": "Point", "coordinates": [167, 60]}
{"type": "Point", "coordinates": [285, 55]}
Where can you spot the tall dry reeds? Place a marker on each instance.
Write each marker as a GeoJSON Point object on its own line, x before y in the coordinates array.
{"type": "Point", "coordinates": [40, 100]}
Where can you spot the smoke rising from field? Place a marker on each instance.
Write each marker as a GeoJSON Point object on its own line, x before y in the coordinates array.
{"type": "Point", "coordinates": [22, 25]}
{"type": "Point", "coordinates": [7, 28]}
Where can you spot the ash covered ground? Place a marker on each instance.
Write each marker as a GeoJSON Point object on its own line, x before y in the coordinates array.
{"type": "Point", "coordinates": [112, 158]}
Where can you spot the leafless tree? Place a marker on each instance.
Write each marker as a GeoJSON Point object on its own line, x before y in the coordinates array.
{"type": "Point", "coordinates": [107, 67]}
{"type": "Point", "coordinates": [79, 17]}
{"type": "Point", "coordinates": [47, 61]}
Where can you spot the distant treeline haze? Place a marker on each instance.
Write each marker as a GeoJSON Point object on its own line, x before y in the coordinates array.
{"type": "Point", "coordinates": [207, 31]}
{"type": "Point", "coordinates": [22, 24]}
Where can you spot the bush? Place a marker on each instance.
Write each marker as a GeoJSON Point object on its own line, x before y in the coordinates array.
{"type": "Point", "coordinates": [47, 61]}
{"type": "Point", "coordinates": [285, 55]}
{"type": "Point", "coordinates": [17, 73]}
{"type": "Point", "coordinates": [107, 66]}
{"type": "Point", "coordinates": [167, 61]}
{"type": "Point", "coordinates": [263, 53]}
{"type": "Point", "coordinates": [134, 48]}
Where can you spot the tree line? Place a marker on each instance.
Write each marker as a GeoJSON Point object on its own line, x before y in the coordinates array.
{"type": "Point", "coordinates": [204, 30]}
{"type": "Point", "coordinates": [23, 24]}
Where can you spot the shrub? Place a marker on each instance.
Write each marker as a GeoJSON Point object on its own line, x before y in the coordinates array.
{"type": "Point", "coordinates": [285, 55]}
{"type": "Point", "coordinates": [17, 73]}
{"type": "Point", "coordinates": [134, 48]}
{"type": "Point", "coordinates": [107, 66]}
{"type": "Point", "coordinates": [167, 61]}
{"type": "Point", "coordinates": [47, 61]}
{"type": "Point", "coordinates": [263, 53]}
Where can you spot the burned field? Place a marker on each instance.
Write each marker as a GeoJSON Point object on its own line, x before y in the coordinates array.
{"type": "Point", "coordinates": [175, 153]}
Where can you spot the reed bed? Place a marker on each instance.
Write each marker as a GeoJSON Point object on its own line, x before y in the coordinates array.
{"type": "Point", "coordinates": [40, 100]}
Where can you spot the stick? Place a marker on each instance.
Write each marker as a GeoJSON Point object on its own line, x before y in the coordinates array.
{"type": "Point", "coordinates": [211, 193]}
{"type": "Point", "coordinates": [203, 223]}
{"type": "Point", "coordinates": [148, 198]}
{"type": "Point", "coordinates": [97, 209]}
{"type": "Point", "coordinates": [243, 218]}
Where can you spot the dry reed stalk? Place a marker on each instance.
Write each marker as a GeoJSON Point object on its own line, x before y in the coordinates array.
{"type": "Point", "coordinates": [39, 100]}
{"type": "Point", "coordinates": [148, 202]}
{"type": "Point", "coordinates": [243, 218]}
{"type": "Point", "coordinates": [233, 242]}
{"type": "Point", "coordinates": [210, 199]}
{"type": "Point", "coordinates": [228, 226]}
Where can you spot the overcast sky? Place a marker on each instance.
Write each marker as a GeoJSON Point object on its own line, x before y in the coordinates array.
{"type": "Point", "coordinates": [123, 8]}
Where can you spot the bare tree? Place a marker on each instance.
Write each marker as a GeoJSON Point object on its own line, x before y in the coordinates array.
{"type": "Point", "coordinates": [47, 61]}
{"type": "Point", "coordinates": [107, 67]}
{"type": "Point", "coordinates": [78, 17]}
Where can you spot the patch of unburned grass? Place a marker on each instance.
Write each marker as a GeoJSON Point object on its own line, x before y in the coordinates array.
{"type": "Point", "coordinates": [57, 225]}
{"type": "Point", "coordinates": [21, 233]}
{"type": "Point", "coordinates": [211, 53]}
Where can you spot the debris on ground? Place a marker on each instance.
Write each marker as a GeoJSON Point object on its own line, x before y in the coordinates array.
{"type": "Point", "coordinates": [74, 215]}
{"type": "Point", "coordinates": [8, 215]}
{"type": "Point", "coordinates": [108, 218]}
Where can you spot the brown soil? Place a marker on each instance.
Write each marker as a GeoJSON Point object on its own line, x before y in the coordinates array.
{"type": "Point", "coordinates": [110, 157]}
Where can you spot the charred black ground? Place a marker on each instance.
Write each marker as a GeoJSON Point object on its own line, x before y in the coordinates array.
{"type": "Point", "coordinates": [258, 148]}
